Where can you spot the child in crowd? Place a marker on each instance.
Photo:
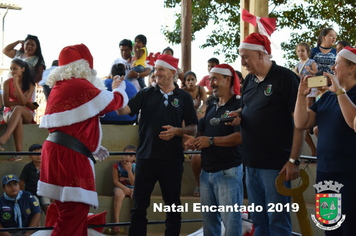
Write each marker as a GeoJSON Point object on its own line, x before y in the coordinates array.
{"type": "Point", "coordinates": [123, 174]}
{"type": "Point", "coordinates": [152, 80]}
{"type": "Point", "coordinates": [341, 44]}
{"type": "Point", "coordinates": [205, 82]}
{"type": "Point", "coordinates": [31, 174]}
{"type": "Point", "coordinates": [139, 61]}
{"type": "Point", "coordinates": [305, 67]}
{"type": "Point", "coordinates": [17, 208]}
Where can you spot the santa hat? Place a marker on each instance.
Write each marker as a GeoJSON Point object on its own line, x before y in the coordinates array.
{"type": "Point", "coordinates": [348, 53]}
{"type": "Point", "coordinates": [75, 62]}
{"type": "Point", "coordinates": [167, 61]}
{"type": "Point", "coordinates": [74, 53]}
{"type": "Point", "coordinates": [257, 42]}
{"type": "Point", "coordinates": [225, 69]}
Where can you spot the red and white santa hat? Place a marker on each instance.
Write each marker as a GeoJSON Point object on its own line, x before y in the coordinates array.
{"type": "Point", "coordinates": [75, 61]}
{"type": "Point", "coordinates": [225, 69]}
{"type": "Point", "coordinates": [167, 61]}
{"type": "Point", "coordinates": [257, 42]}
{"type": "Point", "coordinates": [349, 53]}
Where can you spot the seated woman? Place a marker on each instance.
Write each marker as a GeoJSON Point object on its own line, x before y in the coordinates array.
{"type": "Point", "coordinates": [197, 92]}
{"type": "Point", "coordinates": [19, 109]}
{"type": "Point", "coordinates": [112, 117]}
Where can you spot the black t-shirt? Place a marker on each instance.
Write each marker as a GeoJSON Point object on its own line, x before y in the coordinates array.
{"type": "Point", "coordinates": [215, 158]}
{"type": "Point", "coordinates": [154, 115]}
{"type": "Point", "coordinates": [266, 121]}
{"type": "Point", "coordinates": [30, 175]}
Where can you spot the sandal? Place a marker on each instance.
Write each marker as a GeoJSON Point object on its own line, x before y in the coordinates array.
{"type": "Point", "coordinates": [196, 192]}
{"type": "Point", "coordinates": [15, 158]}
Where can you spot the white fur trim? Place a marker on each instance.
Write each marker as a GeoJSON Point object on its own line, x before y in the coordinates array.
{"type": "Point", "coordinates": [254, 47]}
{"type": "Point", "coordinates": [76, 69]}
{"type": "Point", "coordinates": [348, 55]}
{"type": "Point", "coordinates": [223, 71]}
{"type": "Point", "coordinates": [81, 113]}
{"type": "Point", "coordinates": [165, 64]}
{"type": "Point", "coordinates": [68, 194]}
{"type": "Point", "coordinates": [121, 89]}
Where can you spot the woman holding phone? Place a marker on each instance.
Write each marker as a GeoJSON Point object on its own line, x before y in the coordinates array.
{"type": "Point", "coordinates": [334, 114]}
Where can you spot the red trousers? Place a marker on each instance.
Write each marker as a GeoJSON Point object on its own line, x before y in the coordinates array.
{"type": "Point", "coordinates": [72, 219]}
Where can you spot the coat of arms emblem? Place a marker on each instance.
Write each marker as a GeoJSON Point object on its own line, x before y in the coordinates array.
{"type": "Point", "coordinates": [328, 205]}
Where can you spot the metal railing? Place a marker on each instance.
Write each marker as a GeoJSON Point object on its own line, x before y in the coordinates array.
{"type": "Point", "coordinates": [115, 153]}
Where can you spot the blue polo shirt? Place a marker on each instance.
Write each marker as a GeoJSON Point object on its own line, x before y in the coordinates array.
{"type": "Point", "coordinates": [336, 150]}
{"type": "Point", "coordinates": [28, 205]}
{"type": "Point", "coordinates": [157, 112]}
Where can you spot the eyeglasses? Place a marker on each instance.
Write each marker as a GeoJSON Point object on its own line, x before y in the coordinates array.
{"type": "Point", "coordinates": [166, 99]}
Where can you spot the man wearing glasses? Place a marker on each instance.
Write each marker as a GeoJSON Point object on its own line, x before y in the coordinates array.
{"type": "Point", "coordinates": [160, 152]}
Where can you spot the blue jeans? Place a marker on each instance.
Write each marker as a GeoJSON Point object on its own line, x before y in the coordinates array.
{"type": "Point", "coordinates": [222, 188]}
{"type": "Point", "coordinates": [261, 190]}
{"type": "Point", "coordinates": [141, 80]}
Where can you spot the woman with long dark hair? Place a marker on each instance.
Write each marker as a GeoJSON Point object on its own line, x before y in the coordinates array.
{"type": "Point", "coordinates": [30, 52]}
{"type": "Point", "coordinates": [17, 94]}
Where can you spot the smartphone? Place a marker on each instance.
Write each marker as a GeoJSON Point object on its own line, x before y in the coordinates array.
{"type": "Point", "coordinates": [317, 81]}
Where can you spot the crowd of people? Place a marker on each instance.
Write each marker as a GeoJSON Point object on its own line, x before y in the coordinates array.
{"type": "Point", "coordinates": [271, 107]}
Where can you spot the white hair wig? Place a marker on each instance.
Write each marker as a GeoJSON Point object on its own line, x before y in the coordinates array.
{"type": "Point", "coordinates": [79, 69]}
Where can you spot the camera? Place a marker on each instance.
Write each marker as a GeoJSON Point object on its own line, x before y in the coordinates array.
{"type": "Point", "coordinates": [317, 81]}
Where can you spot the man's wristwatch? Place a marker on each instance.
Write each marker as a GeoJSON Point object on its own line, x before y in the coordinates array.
{"type": "Point", "coordinates": [341, 91]}
{"type": "Point", "coordinates": [138, 75]}
{"type": "Point", "coordinates": [295, 162]}
{"type": "Point", "coordinates": [211, 141]}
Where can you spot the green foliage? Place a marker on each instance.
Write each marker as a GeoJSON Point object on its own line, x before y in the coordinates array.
{"type": "Point", "coordinates": [304, 18]}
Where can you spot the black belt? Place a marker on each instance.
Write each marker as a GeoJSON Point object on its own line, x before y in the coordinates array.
{"type": "Point", "coordinates": [70, 142]}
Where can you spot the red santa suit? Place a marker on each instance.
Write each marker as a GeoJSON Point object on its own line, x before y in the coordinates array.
{"type": "Point", "coordinates": [74, 107]}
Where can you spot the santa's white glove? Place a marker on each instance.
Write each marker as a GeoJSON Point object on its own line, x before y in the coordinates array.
{"type": "Point", "coordinates": [102, 153]}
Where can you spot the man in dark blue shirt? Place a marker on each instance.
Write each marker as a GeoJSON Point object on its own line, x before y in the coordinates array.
{"type": "Point", "coordinates": [160, 152]}
{"type": "Point", "coordinates": [221, 160]}
{"type": "Point", "coordinates": [271, 143]}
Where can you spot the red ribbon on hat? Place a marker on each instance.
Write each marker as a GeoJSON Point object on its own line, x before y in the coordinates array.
{"type": "Point", "coordinates": [152, 58]}
{"type": "Point", "coordinates": [269, 24]}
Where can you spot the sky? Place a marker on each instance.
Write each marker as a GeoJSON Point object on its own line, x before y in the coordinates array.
{"type": "Point", "coordinates": [101, 25]}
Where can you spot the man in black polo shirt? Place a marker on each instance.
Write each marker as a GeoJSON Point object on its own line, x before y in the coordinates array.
{"type": "Point", "coordinates": [271, 143]}
{"type": "Point", "coordinates": [221, 161]}
{"type": "Point", "coordinates": [160, 152]}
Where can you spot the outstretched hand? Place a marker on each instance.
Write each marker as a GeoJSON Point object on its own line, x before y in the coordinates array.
{"type": "Point", "coordinates": [117, 80]}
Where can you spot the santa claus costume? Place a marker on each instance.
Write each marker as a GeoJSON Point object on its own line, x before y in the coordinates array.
{"type": "Point", "coordinates": [74, 106]}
